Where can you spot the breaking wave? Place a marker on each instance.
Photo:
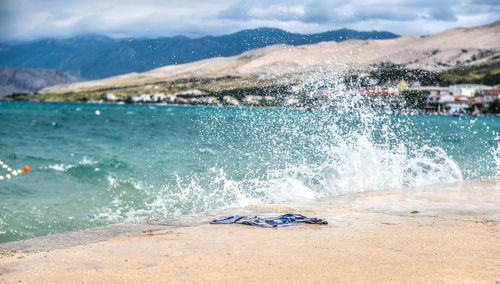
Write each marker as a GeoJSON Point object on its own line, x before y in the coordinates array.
{"type": "Point", "coordinates": [343, 145]}
{"type": "Point", "coordinates": [134, 163]}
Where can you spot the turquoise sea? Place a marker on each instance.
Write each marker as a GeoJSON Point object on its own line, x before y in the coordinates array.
{"type": "Point", "coordinates": [96, 164]}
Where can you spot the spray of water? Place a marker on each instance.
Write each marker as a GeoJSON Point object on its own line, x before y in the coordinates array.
{"type": "Point", "coordinates": [496, 157]}
{"type": "Point", "coordinates": [330, 141]}
{"type": "Point", "coordinates": [348, 143]}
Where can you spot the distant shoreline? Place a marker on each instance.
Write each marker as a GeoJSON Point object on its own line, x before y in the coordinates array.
{"type": "Point", "coordinates": [305, 109]}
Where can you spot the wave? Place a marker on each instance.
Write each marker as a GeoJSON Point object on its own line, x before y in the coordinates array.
{"type": "Point", "coordinates": [496, 157]}
{"type": "Point", "coordinates": [174, 161]}
{"type": "Point", "coordinates": [62, 167]}
{"type": "Point", "coordinates": [252, 156]}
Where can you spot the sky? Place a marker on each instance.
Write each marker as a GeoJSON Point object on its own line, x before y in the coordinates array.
{"type": "Point", "coordinates": [32, 19]}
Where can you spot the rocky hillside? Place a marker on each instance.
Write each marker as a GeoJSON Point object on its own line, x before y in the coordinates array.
{"type": "Point", "coordinates": [441, 51]}
{"type": "Point", "coordinates": [448, 49]}
{"type": "Point", "coordinates": [15, 80]}
{"type": "Point", "coordinates": [95, 56]}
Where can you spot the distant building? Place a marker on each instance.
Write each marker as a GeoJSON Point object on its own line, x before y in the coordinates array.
{"type": "Point", "coordinates": [192, 92]}
{"type": "Point", "coordinates": [228, 100]}
{"type": "Point", "coordinates": [468, 90]}
{"type": "Point", "coordinates": [193, 101]}
{"type": "Point", "coordinates": [252, 100]}
{"type": "Point", "coordinates": [208, 100]}
{"type": "Point", "coordinates": [459, 104]}
{"type": "Point", "coordinates": [268, 99]}
{"type": "Point", "coordinates": [169, 98]}
{"type": "Point", "coordinates": [444, 99]}
{"type": "Point", "coordinates": [135, 99]}
{"type": "Point", "coordinates": [431, 94]}
{"type": "Point", "coordinates": [492, 94]}
{"type": "Point", "coordinates": [433, 99]}
{"type": "Point", "coordinates": [158, 97]}
{"type": "Point", "coordinates": [144, 98]}
{"type": "Point", "coordinates": [478, 101]}
{"type": "Point", "coordinates": [180, 100]}
{"type": "Point", "coordinates": [453, 104]}
{"type": "Point", "coordinates": [109, 97]}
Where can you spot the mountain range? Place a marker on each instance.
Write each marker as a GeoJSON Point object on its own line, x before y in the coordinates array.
{"type": "Point", "coordinates": [97, 56]}
{"type": "Point", "coordinates": [279, 63]}
{"type": "Point", "coordinates": [453, 48]}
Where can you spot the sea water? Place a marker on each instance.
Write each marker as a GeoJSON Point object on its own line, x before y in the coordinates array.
{"type": "Point", "coordinates": [97, 164]}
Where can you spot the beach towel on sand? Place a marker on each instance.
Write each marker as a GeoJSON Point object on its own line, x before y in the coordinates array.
{"type": "Point", "coordinates": [281, 221]}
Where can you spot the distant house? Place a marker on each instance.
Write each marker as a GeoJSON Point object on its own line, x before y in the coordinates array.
{"type": "Point", "coordinates": [144, 98]}
{"type": "Point", "coordinates": [478, 101]}
{"type": "Point", "coordinates": [180, 100]}
{"type": "Point", "coordinates": [158, 97]}
{"type": "Point", "coordinates": [192, 92]}
{"type": "Point", "coordinates": [454, 104]}
{"type": "Point", "coordinates": [459, 104]}
{"type": "Point", "coordinates": [457, 107]}
{"type": "Point", "coordinates": [208, 100]}
{"type": "Point", "coordinates": [444, 99]}
{"type": "Point", "coordinates": [109, 97]}
{"type": "Point", "coordinates": [268, 99]}
{"type": "Point", "coordinates": [169, 98]}
{"type": "Point", "coordinates": [468, 90]}
{"type": "Point", "coordinates": [251, 100]}
{"type": "Point", "coordinates": [193, 101]}
{"type": "Point", "coordinates": [434, 98]}
{"type": "Point", "coordinates": [490, 95]}
{"type": "Point", "coordinates": [228, 100]}
{"type": "Point", "coordinates": [135, 99]}
{"type": "Point", "coordinates": [431, 93]}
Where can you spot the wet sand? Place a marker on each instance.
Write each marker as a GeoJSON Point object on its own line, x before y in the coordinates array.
{"type": "Point", "coordinates": [372, 237]}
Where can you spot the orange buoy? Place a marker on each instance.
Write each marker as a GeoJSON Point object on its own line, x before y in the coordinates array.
{"type": "Point", "coordinates": [26, 168]}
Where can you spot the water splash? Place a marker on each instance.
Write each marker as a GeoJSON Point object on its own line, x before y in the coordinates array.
{"type": "Point", "coordinates": [349, 143]}
{"type": "Point", "coordinates": [495, 152]}
{"type": "Point", "coordinates": [171, 161]}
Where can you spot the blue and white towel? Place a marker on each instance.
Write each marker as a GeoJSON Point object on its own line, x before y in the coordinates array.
{"type": "Point", "coordinates": [281, 221]}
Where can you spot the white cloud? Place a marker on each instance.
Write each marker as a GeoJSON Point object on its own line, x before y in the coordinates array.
{"type": "Point", "coordinates": [29, 19]}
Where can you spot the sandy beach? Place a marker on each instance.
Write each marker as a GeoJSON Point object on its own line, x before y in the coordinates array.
{"type": "Point", "coordinates": [371, 237]}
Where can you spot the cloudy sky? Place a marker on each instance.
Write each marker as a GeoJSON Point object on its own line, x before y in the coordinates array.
{"type": "Point", "coordinates": [32, 19]}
